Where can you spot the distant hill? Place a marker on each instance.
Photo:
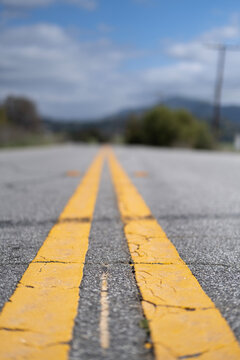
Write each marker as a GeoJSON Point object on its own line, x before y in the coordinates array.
{"type": "Point", "coordinates": [230, 115]}
{"type": "Point", "coordinates": [204, 110]}
{"type": "Point", "coordinates": [116, 123]}
{"type": "Point", "coordinates": [198, 108]}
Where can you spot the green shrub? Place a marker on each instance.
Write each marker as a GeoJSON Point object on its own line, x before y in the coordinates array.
{"type": "Point", "coordinates": [203, 137]}
{"type": "Point", "coordinates": [159, 127]}
{"type": "Point", "coordinates": [164, 127]}
{"type": "Point", "coordinates": [134, 131]}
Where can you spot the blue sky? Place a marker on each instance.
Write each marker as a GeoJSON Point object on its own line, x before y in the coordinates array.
{"type": "Point", "coordinates": [89, 58]}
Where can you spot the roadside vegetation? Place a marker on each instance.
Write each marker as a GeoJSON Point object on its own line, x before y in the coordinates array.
{"type": "Point", "coordinates": [21, 125]}
{"type": "Point", "coordinates": [164, 127]}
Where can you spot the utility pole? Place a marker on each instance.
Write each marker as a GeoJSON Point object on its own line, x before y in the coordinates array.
{"type": "Point", "coordinates": [222, 50]}
{"type": "Point", "coordinates": [218, 90]}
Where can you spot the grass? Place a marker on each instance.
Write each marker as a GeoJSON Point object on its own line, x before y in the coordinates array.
{"type": "Point", "coordinates": [32, 140]}
{"type": "Point", "coordinates": [145, 325]}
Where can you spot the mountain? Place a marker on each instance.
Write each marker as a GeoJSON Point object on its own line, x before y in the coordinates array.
{"type": "Point", "coordinates": [115, 124]}
{"type": "Point", "coordinates": [204, 110]}
{"type": "Point", "coordinates": [200, 109]}
{"type": "Point", "coordinates": [230, 114]}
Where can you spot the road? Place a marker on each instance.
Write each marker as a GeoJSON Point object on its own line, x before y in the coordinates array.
{"type": "Point", "coordinates": [195, 198]}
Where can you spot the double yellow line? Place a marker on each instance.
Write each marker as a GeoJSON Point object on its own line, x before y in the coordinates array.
{"type": "Point", "coordinates": [38, 320]}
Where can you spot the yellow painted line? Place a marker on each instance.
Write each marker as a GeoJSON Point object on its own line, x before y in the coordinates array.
{"type": "Point", "coordinates": [104, 331]}
{"type": "Point", "coordinates": [38, 320]}
{"type": "Point", "coordinates": [141, 174]}
{"type": "Point", "coordinates": [183, 321]}
{"type": "Point", "coordinates": [73, 173]}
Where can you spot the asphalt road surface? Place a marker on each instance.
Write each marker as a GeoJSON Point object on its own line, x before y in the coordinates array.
{"type": "Point", "coordinates": [193, 195]}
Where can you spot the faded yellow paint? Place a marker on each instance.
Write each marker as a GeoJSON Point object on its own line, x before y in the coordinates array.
{"type": "Point", "coordinates": [38, 320]}
{"type": "Point", "coordinates": [73, 173]}
{"type": "Point", "coordinates": [148, 345]}
{"type": "Point", "coordinates": [141, 174]}
{"type": "Point", "coordinates": [183, 321]}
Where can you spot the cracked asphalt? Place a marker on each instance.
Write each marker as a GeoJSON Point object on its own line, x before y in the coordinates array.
{"type": "Point", "coordinates": [108, 251]}
{"type": "Point", "coordinates": [194, 196]}
{"type": "Point", "coordinates": [34, 188]}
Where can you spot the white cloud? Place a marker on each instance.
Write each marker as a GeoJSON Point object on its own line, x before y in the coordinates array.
{"type": "Point", "coordinates": [193, 71]}
{"type": "Point", "coordinates": [26, 4]}
{"type": "Point", "coordinates": [86, 4]}
{"type": "Point", "coordinates": [20, 8]}
{"type": "Point", "coordinates": [70, 78]}
{"type": "Point", "coordinates": [16, 2]}
{"type": "Point", "coordinates": [65, 77]}
{"type": "Point", "coordinates": [198, 49]}
{"type": "Point", "coordinates": [229, 32]}
{"type": "Point", "coordinates": [144, 1]}
{"type": "Point", "coordinates": [105, 28]}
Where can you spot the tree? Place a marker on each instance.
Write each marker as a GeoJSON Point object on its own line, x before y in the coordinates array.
{"type": "Point", "coordinates": [203, 138]}
{"type": "Point", "coordinates": [164, 127]}
{"type": "Point", "coordinates": [3, 117]}
{"type": "Point", "coordinates": [22, 113]}
{"type": "Point", "coordinates": [134, 131]}
{"type": "Point", "coordinates": [159, 127]}
{"type": "Point", "coordinates": [192, 132]}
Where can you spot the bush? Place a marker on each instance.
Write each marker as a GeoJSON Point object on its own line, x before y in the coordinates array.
{"type": "Point", "coordinates": [203, 137]}
{"type": "Point", "coordinates": [90, 135]}
{"type": "Point", "coordinates": [22, 113]}
{"type": "Point", "coordinates": [164, 127]}
{"type": "Point", "coordinates": [20, 123]}
{"type": "Point", "coordinates": [186, 128]}
{"type": "Point", "coordinates": [159, 127]}
{"type": "Point", "coordinates": [192, 132]}
{"type": "Point", "coordinates": [134, 131]}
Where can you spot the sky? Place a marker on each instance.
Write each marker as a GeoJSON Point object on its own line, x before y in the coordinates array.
{"type": "Point", "coordinates": [85, 59]}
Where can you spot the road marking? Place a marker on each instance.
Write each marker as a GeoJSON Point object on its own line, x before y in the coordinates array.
{"type": "Point", "coordinates": [141, 174]}
{"type": "Point", "coordinates": [73, 173]}
{"type": "Point", "coordinates": [183, 321]}
{"type": "Point", "coordinates": [37, 321]}
{"type": "Point", "coordinates": [104, 332]}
